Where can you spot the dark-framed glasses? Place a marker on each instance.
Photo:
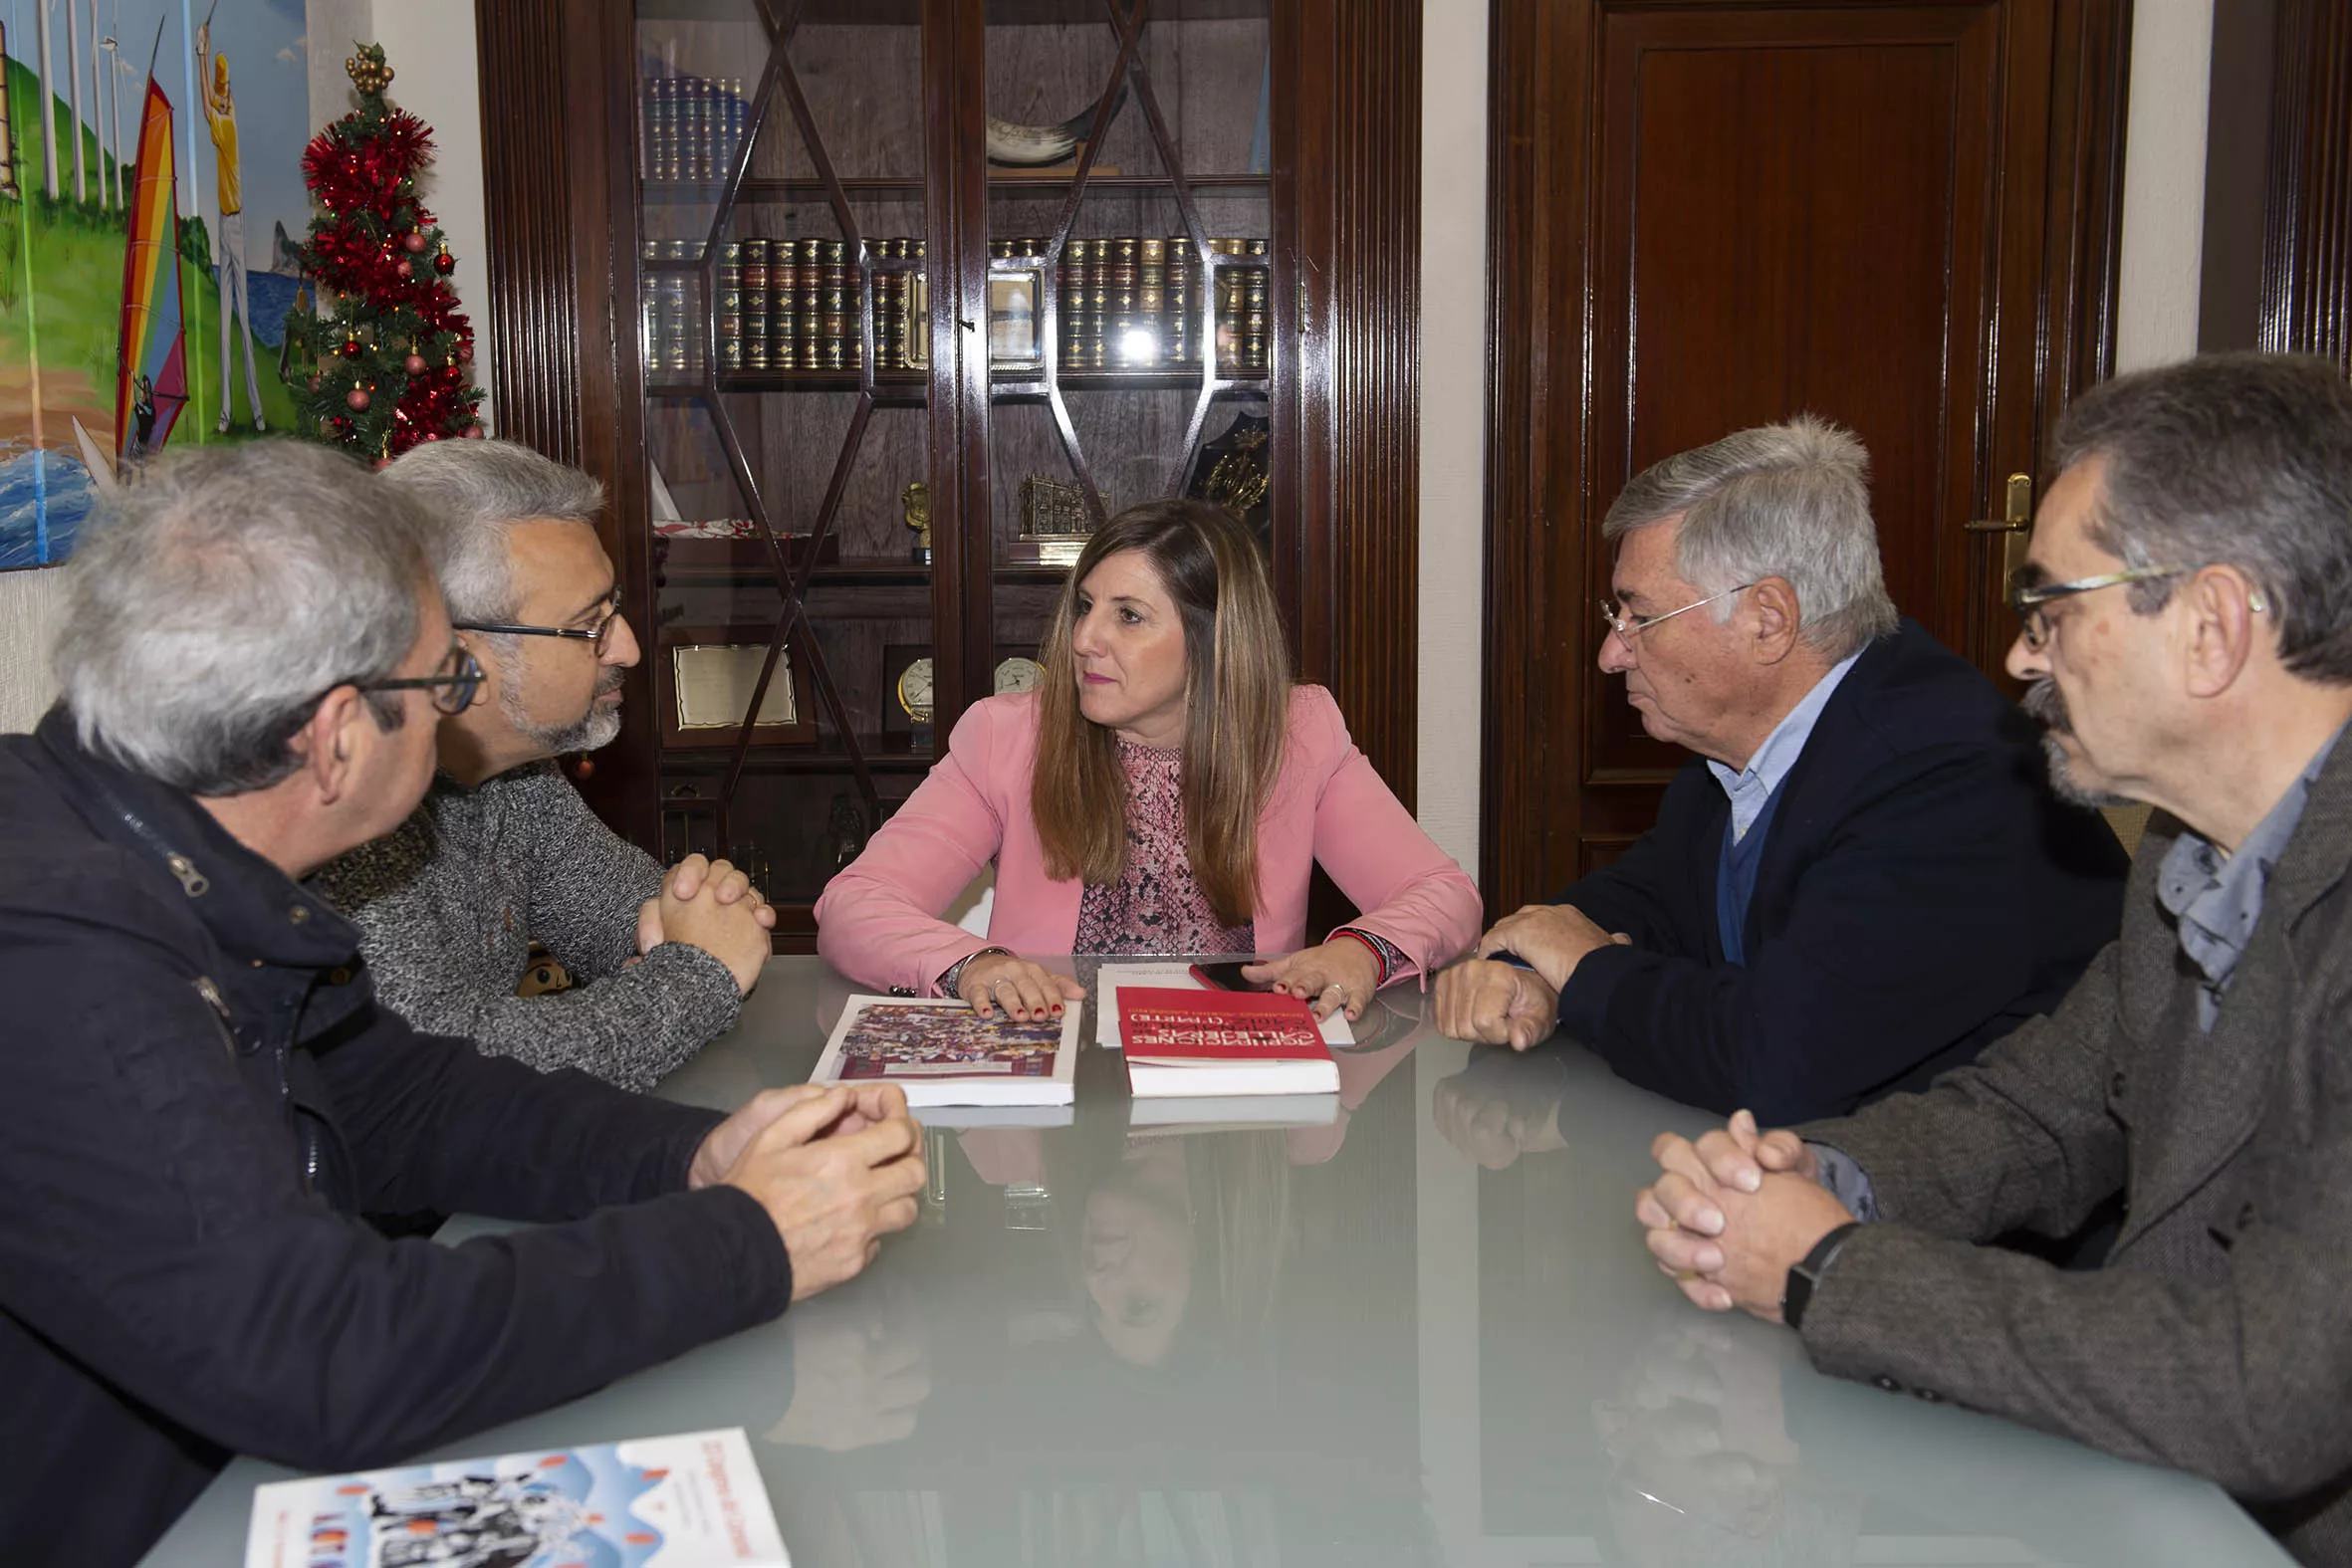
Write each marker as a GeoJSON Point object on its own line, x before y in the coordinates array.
{"type": "Point", "coordinates": [1628, 627]}
{"type": "Point", "coordinates": [2026, 600]}
{"type": "Point", "coordinates": [453, 688]}
{"type": "Point", "coordinates": [599, 634]}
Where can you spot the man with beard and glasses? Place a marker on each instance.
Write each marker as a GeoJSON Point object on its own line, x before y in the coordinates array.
{"type": "Point", "coordinates": [2187, 609]}
{"type": "Point", "coordinates": [1860, 878]}
{"type": "Point", "coordinates": [503, 852]}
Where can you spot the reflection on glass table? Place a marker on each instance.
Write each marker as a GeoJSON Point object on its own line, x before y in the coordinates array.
{"type": "Point", "coordinates": [1352, 1344]}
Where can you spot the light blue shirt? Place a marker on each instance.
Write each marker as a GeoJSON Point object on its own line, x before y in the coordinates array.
{"type": "Point", "coordinates": [2216, 899]}
{"type": "Point", "coordinates": [1753, 786]}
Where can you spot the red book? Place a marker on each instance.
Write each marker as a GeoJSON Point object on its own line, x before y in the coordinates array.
{"type": "Point", "coordinates": [1183, 1042]}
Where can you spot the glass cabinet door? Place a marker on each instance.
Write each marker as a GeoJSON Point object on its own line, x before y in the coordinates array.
{"type": "Point", "coordinates": [1129, 328]}
{"type": "Point", "coordinates": [783, 343]}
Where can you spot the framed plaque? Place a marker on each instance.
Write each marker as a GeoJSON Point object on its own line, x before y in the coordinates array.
{"type": "Point", "coordinates": [704, 687]}
{"type": "Point", "coordinates": [1015, 294]}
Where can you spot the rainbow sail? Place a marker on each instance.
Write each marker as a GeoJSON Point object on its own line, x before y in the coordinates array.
{"type": "Point", "coordinates": [153, 346]}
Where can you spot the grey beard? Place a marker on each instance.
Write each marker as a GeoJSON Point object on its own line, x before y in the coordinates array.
{"type": "Point", "coordinates": [598, 727]}
{"type": "Point", "coordinates": [2045, 702]}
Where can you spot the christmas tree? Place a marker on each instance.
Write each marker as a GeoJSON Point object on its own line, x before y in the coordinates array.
{"type": "Point", "coordinates": [391, 353]}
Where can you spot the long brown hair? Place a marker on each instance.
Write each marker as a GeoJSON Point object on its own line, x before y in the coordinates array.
{"type": "Point", "coordinates": [1236, 697]}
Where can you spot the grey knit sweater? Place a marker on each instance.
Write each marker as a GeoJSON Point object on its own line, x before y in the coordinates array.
{"type": "Point", "coordinates": [449, 903]}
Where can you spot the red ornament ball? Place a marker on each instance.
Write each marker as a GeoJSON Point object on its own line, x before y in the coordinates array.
{"type": "Point", "coordinates": [381, 464]}
{"type": "Point", "coordinates": [444, 264]}
{"type": "Point", "coordinates": [473, 432]}
{"type": "Point", "coordinates": [415, 364]}
{"type": "Point", "coordinates": [350, 348]}
{"type": "Point", "coordinates": [432, 435]}
{"type": "Point", "coordinates": [406, 269]}
{"type": "Point", "coordinates": [314, 383]}
{"type": "Point", "coordinates": [414, 242]}
{"type": "Point", "coordinates": [358, 398]}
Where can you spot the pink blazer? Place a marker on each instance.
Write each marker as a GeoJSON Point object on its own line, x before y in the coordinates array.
{"type": "Point", "coordinates": [878, 920]}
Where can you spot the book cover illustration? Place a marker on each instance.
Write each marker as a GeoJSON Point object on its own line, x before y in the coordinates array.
{"type": "Point", "coordinates": [1218, 1026]}
{"type": "Point", "coordinates": [944, 1053]}
{"type": "Point", "coordinates": [909, 1041]}
{"type": "Point", "coordinates": [692, 1501]}
{"type": "Point", "coordinates": [1112, 980]}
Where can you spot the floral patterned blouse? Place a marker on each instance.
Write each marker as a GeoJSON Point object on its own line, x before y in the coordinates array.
{"type": "Point", "coordinates": [1155, 906]}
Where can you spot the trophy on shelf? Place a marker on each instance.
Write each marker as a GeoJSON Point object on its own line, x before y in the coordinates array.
{"type": "Point", "coordinates": [916, 498]}
{"type": "Point", "coordinates": [1053, 524]}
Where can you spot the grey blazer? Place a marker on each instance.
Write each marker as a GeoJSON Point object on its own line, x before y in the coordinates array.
{"type": "Point", "coordinates": [2218, 1337]}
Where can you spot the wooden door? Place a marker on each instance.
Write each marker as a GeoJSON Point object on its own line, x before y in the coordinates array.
{"type": "Point", "coordinates": [1899, 216]}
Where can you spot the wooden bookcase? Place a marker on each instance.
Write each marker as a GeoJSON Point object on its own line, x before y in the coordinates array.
{"type": "Point", "coordinates": [640, 158]}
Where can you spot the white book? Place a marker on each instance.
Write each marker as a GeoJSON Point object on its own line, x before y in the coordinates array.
{"type": "Point", "coordinates": [1220, 1113]}
{"type": "Point", "coordinates": [1175, 976]}
{"type": "Point", "coordinates": [941, 1053]}
{"type": "Point", "coordinates": [693, 1500]}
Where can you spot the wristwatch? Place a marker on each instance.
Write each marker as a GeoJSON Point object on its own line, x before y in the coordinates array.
{"type": "Point", "coordinates": [1803, 1274]}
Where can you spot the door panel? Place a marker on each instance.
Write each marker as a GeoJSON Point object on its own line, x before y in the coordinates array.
{"type": "Point", "coordinates": [1857, 211]}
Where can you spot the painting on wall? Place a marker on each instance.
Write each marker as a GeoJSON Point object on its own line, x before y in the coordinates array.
{"type": "Point", "coordinates": [151, 213]}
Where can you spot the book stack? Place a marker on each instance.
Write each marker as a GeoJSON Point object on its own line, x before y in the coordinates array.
{"type": "Point", "coordinates": [792, 305]}
{"type": "Point", "coordinates": [670, 315]}
{"type": "Point", "coordinates": [692, 128]}
{"type": "Point", "coordinates": [1133, 303]}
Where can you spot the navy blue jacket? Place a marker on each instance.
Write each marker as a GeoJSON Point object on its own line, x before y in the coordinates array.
{"type": "Point", "coordinates": [202, 1097]}
{"type": "Point", "coordinates": [1922, 893]}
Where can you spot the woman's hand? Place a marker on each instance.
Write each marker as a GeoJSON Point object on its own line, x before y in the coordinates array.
{"type": "Point", "coordinates": [1024, 990]}
{"type": "Point", "coordinates": [1338, 974]}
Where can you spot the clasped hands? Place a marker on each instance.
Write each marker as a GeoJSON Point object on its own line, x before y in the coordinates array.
{"type": "Point", "coordinates": [1730, 1214]}
{"type": "Point", "coordinates": [838, 1167]}
{"type": "Point", "coordinates": [1340, 973]}
{"type": "Point", "coordinates": [711, 905]}
{"type": "Point", "coordinates": [1496, 1004]}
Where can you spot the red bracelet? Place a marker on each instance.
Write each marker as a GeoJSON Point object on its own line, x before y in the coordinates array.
{"type": "Point", "coordinates": [1379, 964]}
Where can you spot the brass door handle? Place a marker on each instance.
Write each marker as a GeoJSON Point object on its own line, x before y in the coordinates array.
{"type": "Point", "coordinates": [2021, 510]}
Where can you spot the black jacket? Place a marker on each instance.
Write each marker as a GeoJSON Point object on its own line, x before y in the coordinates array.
{"type": "Point", "coordinates": [1921, 894]}
{"type": "Point", "coordinates": [201, 1098]}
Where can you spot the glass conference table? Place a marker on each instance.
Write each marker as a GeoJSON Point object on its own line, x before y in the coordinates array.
{"type": "Point", "coordinates": [1416, 1327]}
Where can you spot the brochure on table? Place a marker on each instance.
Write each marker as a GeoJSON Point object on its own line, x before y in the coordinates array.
{"type": "Point", "coordinates": [942, 1053]}
{"type": "Point", "coordinates": [1172, 977]}
{"type": "Point", "coordinates": [693, 1500]}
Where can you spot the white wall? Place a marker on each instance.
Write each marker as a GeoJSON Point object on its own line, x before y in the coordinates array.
{"type": "Point", "coordinates": [1452, 419]}
{"type": "Point", "coordinates": [2163, 182]}
{"type": "Point", "coordinates": [430, 45]}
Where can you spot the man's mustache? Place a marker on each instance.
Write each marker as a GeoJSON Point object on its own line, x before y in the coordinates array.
{"type": "Point", "coordinates": [2045, 702]}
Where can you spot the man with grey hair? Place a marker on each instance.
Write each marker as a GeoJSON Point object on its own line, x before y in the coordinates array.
{"type": "Point", "coordinates": [204, 1098]}
{"type": "Point", "coordinates": [1861, 878]}
{"type": "Point", "coordinates": [2187, 608]}
{"type": "Point", "coordinates": [503, 852]}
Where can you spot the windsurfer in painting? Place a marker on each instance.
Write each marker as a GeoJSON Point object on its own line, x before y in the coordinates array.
{"type": "Point", "coordinates": [142, 410]}
{"type": "Point", "coordinates": [220, 111]}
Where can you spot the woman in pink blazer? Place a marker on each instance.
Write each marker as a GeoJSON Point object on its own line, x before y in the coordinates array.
{"type": "Point", "coordinates": [1168, 789]}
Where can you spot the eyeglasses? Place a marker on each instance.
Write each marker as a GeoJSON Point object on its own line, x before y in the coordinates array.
{"type": "Point", "coordinates": [2034, 623]}
{"type": "Point", "coordinates": [1630, 626]}
{"type": "Point", "coordinates": [453, 688]}
{"type": "Point", "coordinates": [601, 633]}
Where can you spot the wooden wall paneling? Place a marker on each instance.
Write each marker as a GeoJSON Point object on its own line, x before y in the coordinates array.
{"type": "Point", "coordinates": [2307, 246]}
{"type": "Point", "coordinates": [1358, 118]}
{"type": "Point", "coordinates": [1540, 219]}
{"type": "Point", "coordinates": [557, 272]}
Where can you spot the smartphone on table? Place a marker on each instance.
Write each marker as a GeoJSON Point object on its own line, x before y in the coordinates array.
{"type": "Point", "coordinates": [1228, 977]}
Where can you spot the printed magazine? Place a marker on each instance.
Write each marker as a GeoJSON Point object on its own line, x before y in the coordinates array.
{"type": "Point", "coordinates": [688, 1502]}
